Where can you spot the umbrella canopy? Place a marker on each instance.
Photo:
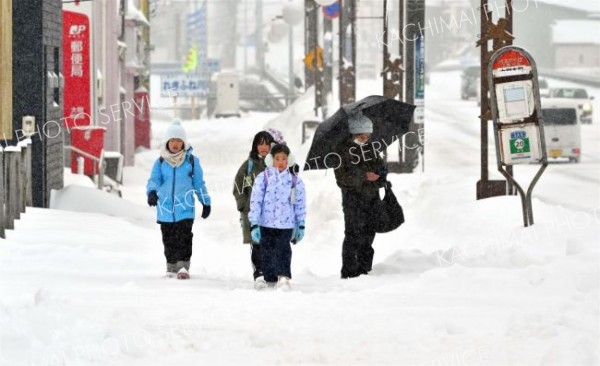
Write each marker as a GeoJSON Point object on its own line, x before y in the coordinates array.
{"type": "Point", "coordinates": [391, 119]}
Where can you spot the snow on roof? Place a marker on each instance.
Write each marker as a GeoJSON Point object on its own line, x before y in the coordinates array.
{"type": "Point", "coordinates": [589, 6]}
{"type": "Point", "coordinates": [133, 13]}
{"type": "Point", "coordinates": [465, 3]}
{"type": "Point", "coordinates": [576, 31]}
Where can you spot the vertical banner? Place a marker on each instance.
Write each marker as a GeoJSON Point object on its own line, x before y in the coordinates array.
{"type": "Point", "coordinates": [76, 67]}
{"type": "Point", "coordinates": [419, 115]}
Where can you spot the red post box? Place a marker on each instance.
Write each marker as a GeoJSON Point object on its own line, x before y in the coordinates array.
{"type": "Point", "coordinates": [142, 117]}
{"type": "Point", "coordinates": [89, 139]}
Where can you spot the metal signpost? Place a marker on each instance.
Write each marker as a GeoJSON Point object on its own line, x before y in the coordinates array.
{"type": "Point", "coordinates": [499, 34]}
{"type": "Point", "coordinates": [517, 117]}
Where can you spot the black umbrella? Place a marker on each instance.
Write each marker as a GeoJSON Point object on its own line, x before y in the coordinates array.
{"type": "Point", "coordinates": [390, 118]}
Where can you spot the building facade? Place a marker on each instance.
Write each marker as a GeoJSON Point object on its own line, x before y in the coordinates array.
{"type": "Point", "coordinates": [576, 44]}
{"type": "Point", "coordinates": [37, 90]}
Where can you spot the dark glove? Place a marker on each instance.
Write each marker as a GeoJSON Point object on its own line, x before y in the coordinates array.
{"type": "Point", "coordinates": [205, 211]}
{"type": "Point", "coordinates": [382, 172]}
{"type": "Point", "coordinates": [152, 198]}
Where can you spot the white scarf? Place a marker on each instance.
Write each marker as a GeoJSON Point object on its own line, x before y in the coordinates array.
{"type": "Point", "coordinates": [174, 159]}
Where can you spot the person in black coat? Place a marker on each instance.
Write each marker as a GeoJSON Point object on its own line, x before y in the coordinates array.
{"type": "Point", "coordinates": [360, 174]}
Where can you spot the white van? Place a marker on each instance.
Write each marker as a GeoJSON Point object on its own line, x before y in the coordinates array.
{"type": "Point", "coordinates": [562, 128]}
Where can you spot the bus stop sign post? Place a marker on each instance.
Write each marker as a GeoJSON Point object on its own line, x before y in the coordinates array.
{"type": "Point", "coordinates": [517, 116]}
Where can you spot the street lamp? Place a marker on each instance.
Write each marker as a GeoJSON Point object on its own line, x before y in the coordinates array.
{"type": "Point", "coordinates": [292, 14]}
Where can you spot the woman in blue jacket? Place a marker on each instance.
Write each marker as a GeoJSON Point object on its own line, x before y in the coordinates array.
{"type": "Point", "coordinates": [176, 177]}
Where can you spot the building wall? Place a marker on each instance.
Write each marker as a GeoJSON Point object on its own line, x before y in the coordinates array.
{"type": "Point", "coordinates": [168, 33]}
{"type": "Point", "coordinates": [52, 30]}
{"type": "Point", "coordinates": [444, 42]}
{"type": "Point", "coordinates": [107, 59]}
{"type": "Point", "coordinates": [577, 55]}
{"type": "Point", "coordinates": [538, 39]}
{"type": "Point", "coordinates": [222, 41]}
{"type": "Point", "coordinates": [6, 69]}
{"type": "Point", "coordinates": [37, 49]}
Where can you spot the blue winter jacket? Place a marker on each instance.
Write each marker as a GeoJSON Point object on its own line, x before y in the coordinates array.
{"type": "Point", "coordinates": [176, 188]}
{"type": "Point", "coordinates": [271, 200]}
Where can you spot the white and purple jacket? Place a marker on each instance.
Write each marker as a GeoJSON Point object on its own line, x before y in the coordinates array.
{"type": "Point", "coordinates": [271, 200]}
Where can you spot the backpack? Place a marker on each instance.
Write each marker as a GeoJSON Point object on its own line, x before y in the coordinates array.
{"type": "Point", "coordinates": [161, 159]}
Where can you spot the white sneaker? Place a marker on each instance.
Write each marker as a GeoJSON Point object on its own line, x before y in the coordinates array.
{"type": "Point", "coordinates": [170, 275]}
{"type": "Point", "coordinates": [183, 274]}
{"type": "Point", "coordinates": [283, 283]}
{"type": "Point", "coordinates": [260, 283]}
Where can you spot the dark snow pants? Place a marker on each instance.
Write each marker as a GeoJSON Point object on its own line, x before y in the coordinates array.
{"type": "Point", "coordinates": [357, 249]}
{"type": "Point", "coordinates": [256, 260]}
{"type": "Point", "coordinates": [276, 253]}
{"type": "Point", "coordinates": [177, 240]}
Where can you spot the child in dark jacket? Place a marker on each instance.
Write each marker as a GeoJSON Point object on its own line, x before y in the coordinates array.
{"type": "Point", "coordinates": [242, 190]}
{"type": "Point", "coordinates": [176, 176]}
{"type": "Point", "coordinates": [277, 213]}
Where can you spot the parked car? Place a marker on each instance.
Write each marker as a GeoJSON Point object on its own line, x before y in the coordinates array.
{"type": "Point", "coordinates": [470, 82]}
{"type": "Point", "coordinates": [580, 95]}
{"type": "Point", "coordinates": [562, 129]}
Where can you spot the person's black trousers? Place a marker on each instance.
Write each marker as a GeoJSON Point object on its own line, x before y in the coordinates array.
{"type": "Point", "coordinates": [177, 240]}
{"type": "Point", "coordinates": [276, 253]}
{"type": "Point", "coordinates": [357, 249]}
{"type": "Point", "coordinates": [255, 257]}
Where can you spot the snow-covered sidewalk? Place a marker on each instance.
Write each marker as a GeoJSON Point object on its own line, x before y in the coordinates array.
{"type": "Point", "coordinates": [461, 283]}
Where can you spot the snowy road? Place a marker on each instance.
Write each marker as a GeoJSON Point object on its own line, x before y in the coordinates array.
{"type": "Point", "coordinates": [461, 126]}
{"type": "Point", "coordinates": [461, 283]}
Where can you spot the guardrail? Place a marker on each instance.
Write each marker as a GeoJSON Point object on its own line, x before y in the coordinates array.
{"type": "Point", "coordinates": [110, 175]}
{"type": "Point", "coordinates": [80, 163]}
{"type": "Point", "coordinates": [15, 184]}
{"type": "Point", "coordinates": [576, 78]}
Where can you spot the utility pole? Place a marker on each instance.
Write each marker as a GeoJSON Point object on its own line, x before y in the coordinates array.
{"type": "Point", "coordinates": [245, 37]}
{"type": "Point", "coordinates": [144, 79]}
{"type": "Point", "coordinates": [260, 46]}
{"type": "Point", "coordinates": [392, 69]}
{"type": "Point", "coordinates": [317, 73]}
{"type": "Point", "coordinates": [501, 35]}
{"type": "Point", "coordinates": [347, 66]}
{"type": "Point", "coordinates": [401, 49]}
{"type": "Point", "coordinates": [327, 62]}
{"type": "Point", "coordinates": [414, 40]}
{"type": "Point", "coordinates": [310, 39]}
